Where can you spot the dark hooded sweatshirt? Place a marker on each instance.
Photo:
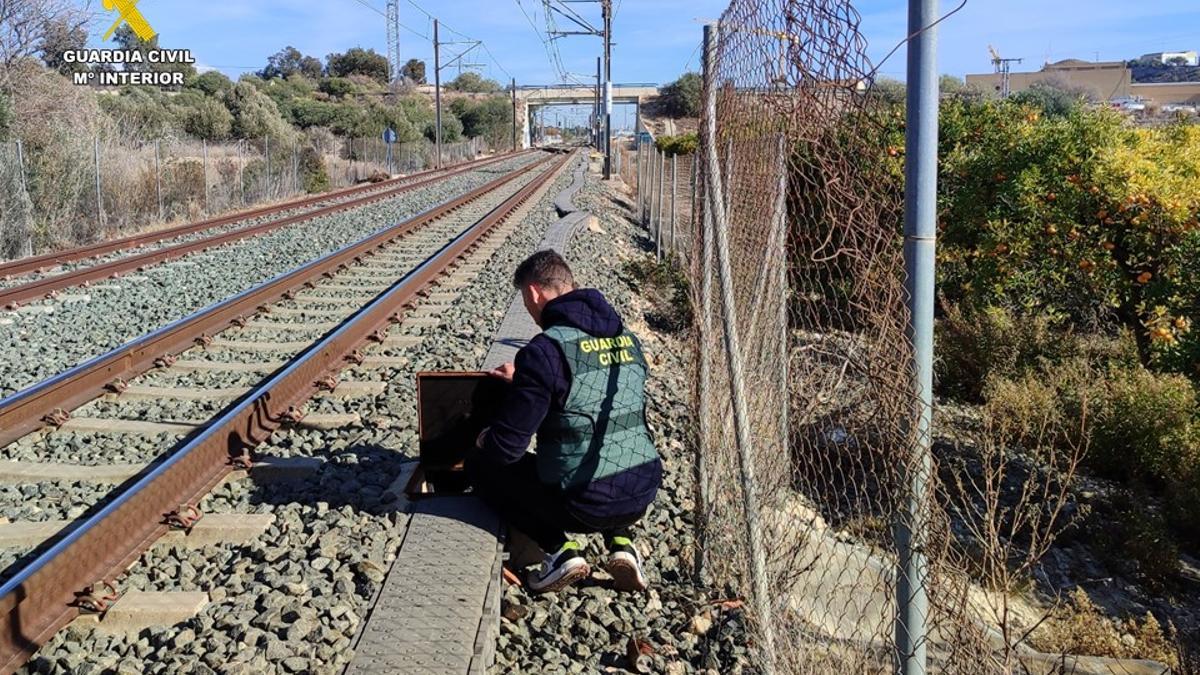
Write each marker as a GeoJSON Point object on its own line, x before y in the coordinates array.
{"type": "Point", "coordinates": [540, 387]}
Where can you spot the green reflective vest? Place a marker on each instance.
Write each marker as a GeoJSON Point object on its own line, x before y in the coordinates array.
{"type": "Point", "coordinates": [601, 430]}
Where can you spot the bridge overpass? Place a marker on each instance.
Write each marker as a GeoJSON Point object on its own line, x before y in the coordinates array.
{"type": "Point", "coordinates": [536, 96]}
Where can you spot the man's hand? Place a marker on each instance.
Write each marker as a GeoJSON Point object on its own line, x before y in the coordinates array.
{"type": "Point", "coordinates": [482, 435]}
{"type": "Point", "coordinates": [504, 372]}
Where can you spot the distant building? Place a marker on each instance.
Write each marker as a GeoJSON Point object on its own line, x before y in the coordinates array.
{"type": "Point", "coordinates": [1101, 80]}
{"type": "Point", "coordinates": [1189, 58]}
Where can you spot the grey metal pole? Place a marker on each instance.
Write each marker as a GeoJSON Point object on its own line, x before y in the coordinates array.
{"type": "Point", "coordinates": [267, 155]}
{"type": "Point", "coordinates": [662, 189]}
{"type": "Point", "coordinates": [437, 95]}
{"type": "Point", "coordinates": [733, 355]}
{"type": "Point", "coordinates": [674, 195]}
{"type": "Point", "coordinates": [295, 169]}
{"type": "Point", "coordinates": [920, 230]}
{"type": "Point", "coordinates": [241, 168]}
{"type": "Point", "coordinates": [638, 167]}
{"type": "Point", "coordinates": [351, 173]}
{"type": "Point", "coordinates": [158, 179]}
{"type": "Point", "coordinates": [99, 196]}
{"type": "Point", "coordinates": [514, 113]}
{"type": "Point", "coordinates": [204, 171]}
{"type": "Point", "coordinates": [606, 8]}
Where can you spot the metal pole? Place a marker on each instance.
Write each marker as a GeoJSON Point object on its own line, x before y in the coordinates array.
{"type": "Point", "coordinates": [596, 107]}
{"type": "Point", "coordinates": [204, 155]}
{"type": "Point", "coordinates": [662, 174]}
{"type": "Point", "coordinates": [350, 173]}
{"type": "Point", "coordinates": [674, 194]}
{"type": "Point", "coordinates": [158, 179]}
{"type": "Point", "coordinates": [606, 8]}
{"type": "Point", "coordinates": [920, 229]}
{"type": "Point", "coordinates": [99, 196]}
{"type": "Point", "coordinates": [241, 168]}
{"type": "Point", "coordinates": [741, 419]}
{"type": "Point", "coordinates": [514, 120]}
{"type": "Point", "coordinates": [27, 246]}
{"type": "Point", "coordinates": [437, 95]}
{"type": "Point", "coordinates": [295, 169]}
{"type": "Point", "coordinates": [267, 155]}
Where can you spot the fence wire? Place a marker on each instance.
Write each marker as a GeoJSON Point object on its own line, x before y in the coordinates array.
{"type": "Point", "coordinates": [811, 222]}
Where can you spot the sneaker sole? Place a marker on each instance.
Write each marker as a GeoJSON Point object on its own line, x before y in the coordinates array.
{"type": "Point", "coordinates": [625, 576]}
{"type": "Point", "coordinates": [576, 574]}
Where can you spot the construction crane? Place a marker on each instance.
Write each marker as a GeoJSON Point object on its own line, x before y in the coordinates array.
{"type": "Point", "coordinates": [1002, 67]}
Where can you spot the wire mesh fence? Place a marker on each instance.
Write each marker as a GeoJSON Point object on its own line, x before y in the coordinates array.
{"type": "Point", "coordinates": [665, 194]}
{"type": "Point", "coordinates": [802, 376]}
{"type": "Point", "coordinates": [83, 190]}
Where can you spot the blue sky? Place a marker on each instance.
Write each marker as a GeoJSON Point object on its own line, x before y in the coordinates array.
{"type": "Point", "coordinates": [657, 39]}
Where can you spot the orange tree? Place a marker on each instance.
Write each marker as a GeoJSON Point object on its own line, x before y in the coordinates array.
{"type": "Point", "coordinates": [1077, 216]}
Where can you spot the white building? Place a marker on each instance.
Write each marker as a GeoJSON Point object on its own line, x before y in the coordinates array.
{"type": "Point", "coordinates": [1190, 58]}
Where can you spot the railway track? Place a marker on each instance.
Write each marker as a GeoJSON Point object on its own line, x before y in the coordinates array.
{"type": "Point", "coordinates": [25, 279]}
{"type": "Point", "coordinates": [47, 337]}
{"type": "Point", "coordinates": [271, 349]}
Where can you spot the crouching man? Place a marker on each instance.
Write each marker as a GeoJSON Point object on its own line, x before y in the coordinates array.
{"type": "Point", "coordinates": [579, 386]}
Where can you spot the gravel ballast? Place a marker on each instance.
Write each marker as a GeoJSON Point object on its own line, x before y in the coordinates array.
{"type": "Point", "coordinates": [293, 600]}
{"type": "Point", "coordinates": [38, 344]}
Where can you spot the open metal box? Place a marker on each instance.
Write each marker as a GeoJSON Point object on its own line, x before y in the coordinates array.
{"type": "Point", "coordinates": [452, 408]}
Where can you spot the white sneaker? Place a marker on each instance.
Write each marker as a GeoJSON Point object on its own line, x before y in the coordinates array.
{"type": "Point", "coordinates": [559, 570]}
{"type": "Point", "coordinates": [625, 565]}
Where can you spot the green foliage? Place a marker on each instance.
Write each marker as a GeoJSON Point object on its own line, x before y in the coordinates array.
{"type": "Point", "coordinates": [683, 144]}
{"type": "Point", "coordinates": [490, 118]}
{"type": "Point", "coordinates": [255, 115]}
{"type": "Point", "coordinates": [1052, 97]}
{"type": "Point", "coordinates": [358, 61]}
{"type": "Point", "coordinates": [141, 112]}
{"type": "Point", "coordinates": [452, 128]}
{"type": "Point", "coordinates": [890, 91]}
{"type": "Point", "coordinates": [1077, 216]}
{"type": "Point", "coordinates": [473, 82]}
{"type": "Point", "coordinates": [681, 98]}
{"type": "Point", "coordinates": [978, 345]}
{"type": "Point", "coordinates": [289, 61]}
{"type": "Point", "coordinates": [1146, 426]}
{"type": "Point", "coordinates": [60, 36]}
{"type": "Point", "coordinates": [203, 116]}
{"type": "Point", "coordinates": [212, 83]}
{"type": "Point", "coordinates": [414, 69]}
{"type": "Point", "coordinates": [338, 87]}
{"type": "Point", "coordinates": [312, 170]}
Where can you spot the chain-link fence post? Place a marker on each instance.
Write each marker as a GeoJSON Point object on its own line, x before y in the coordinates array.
{"type": "Point", "coordinates": [741, 421]}
{"type": "Point", "coordinates": [920, 229]}
{"type": "Point", "coordinates": [267, 160]}
{"type": "Point", "coordinates": [99, 195]}
{"type": "Point", "coordinates": [674, 193]}
{"type": "Point", "coordinates": [658, 223]}
{"type": "Point", "coordinates": [27, 239]}
{"type": "Point", "coordinates": [204, 171]}
{"type": "Point", "coordinates": [158, 178]}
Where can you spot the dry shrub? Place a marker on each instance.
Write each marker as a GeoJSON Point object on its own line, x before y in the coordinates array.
{"type": "Point", "coordinates": [1080, 627]}
{"type": "Point", "coordinates": [974, 346]}
{"type": "Point", "coordinates": [1147, 426]}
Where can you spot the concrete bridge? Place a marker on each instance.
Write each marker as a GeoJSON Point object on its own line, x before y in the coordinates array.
{"type": "Point", "coordinates": [536, 96]}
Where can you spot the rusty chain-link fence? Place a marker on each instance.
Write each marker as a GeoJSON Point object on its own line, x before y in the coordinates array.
{"type": "Point", "coordinates": [803, 377]}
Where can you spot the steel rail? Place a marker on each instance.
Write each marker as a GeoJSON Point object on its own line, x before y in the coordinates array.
{"type": "Point", "coordinates": [38, 262]}
{"type": "Point", "coordinates": [48, 401]}
{"type": "Point", "coordinates": [40, 599]}
{"type": "Point", "coordinates": [12, 297]}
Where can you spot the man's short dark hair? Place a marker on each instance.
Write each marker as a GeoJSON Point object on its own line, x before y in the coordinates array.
{"type": "Point", "coordinates": [546, 269]}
